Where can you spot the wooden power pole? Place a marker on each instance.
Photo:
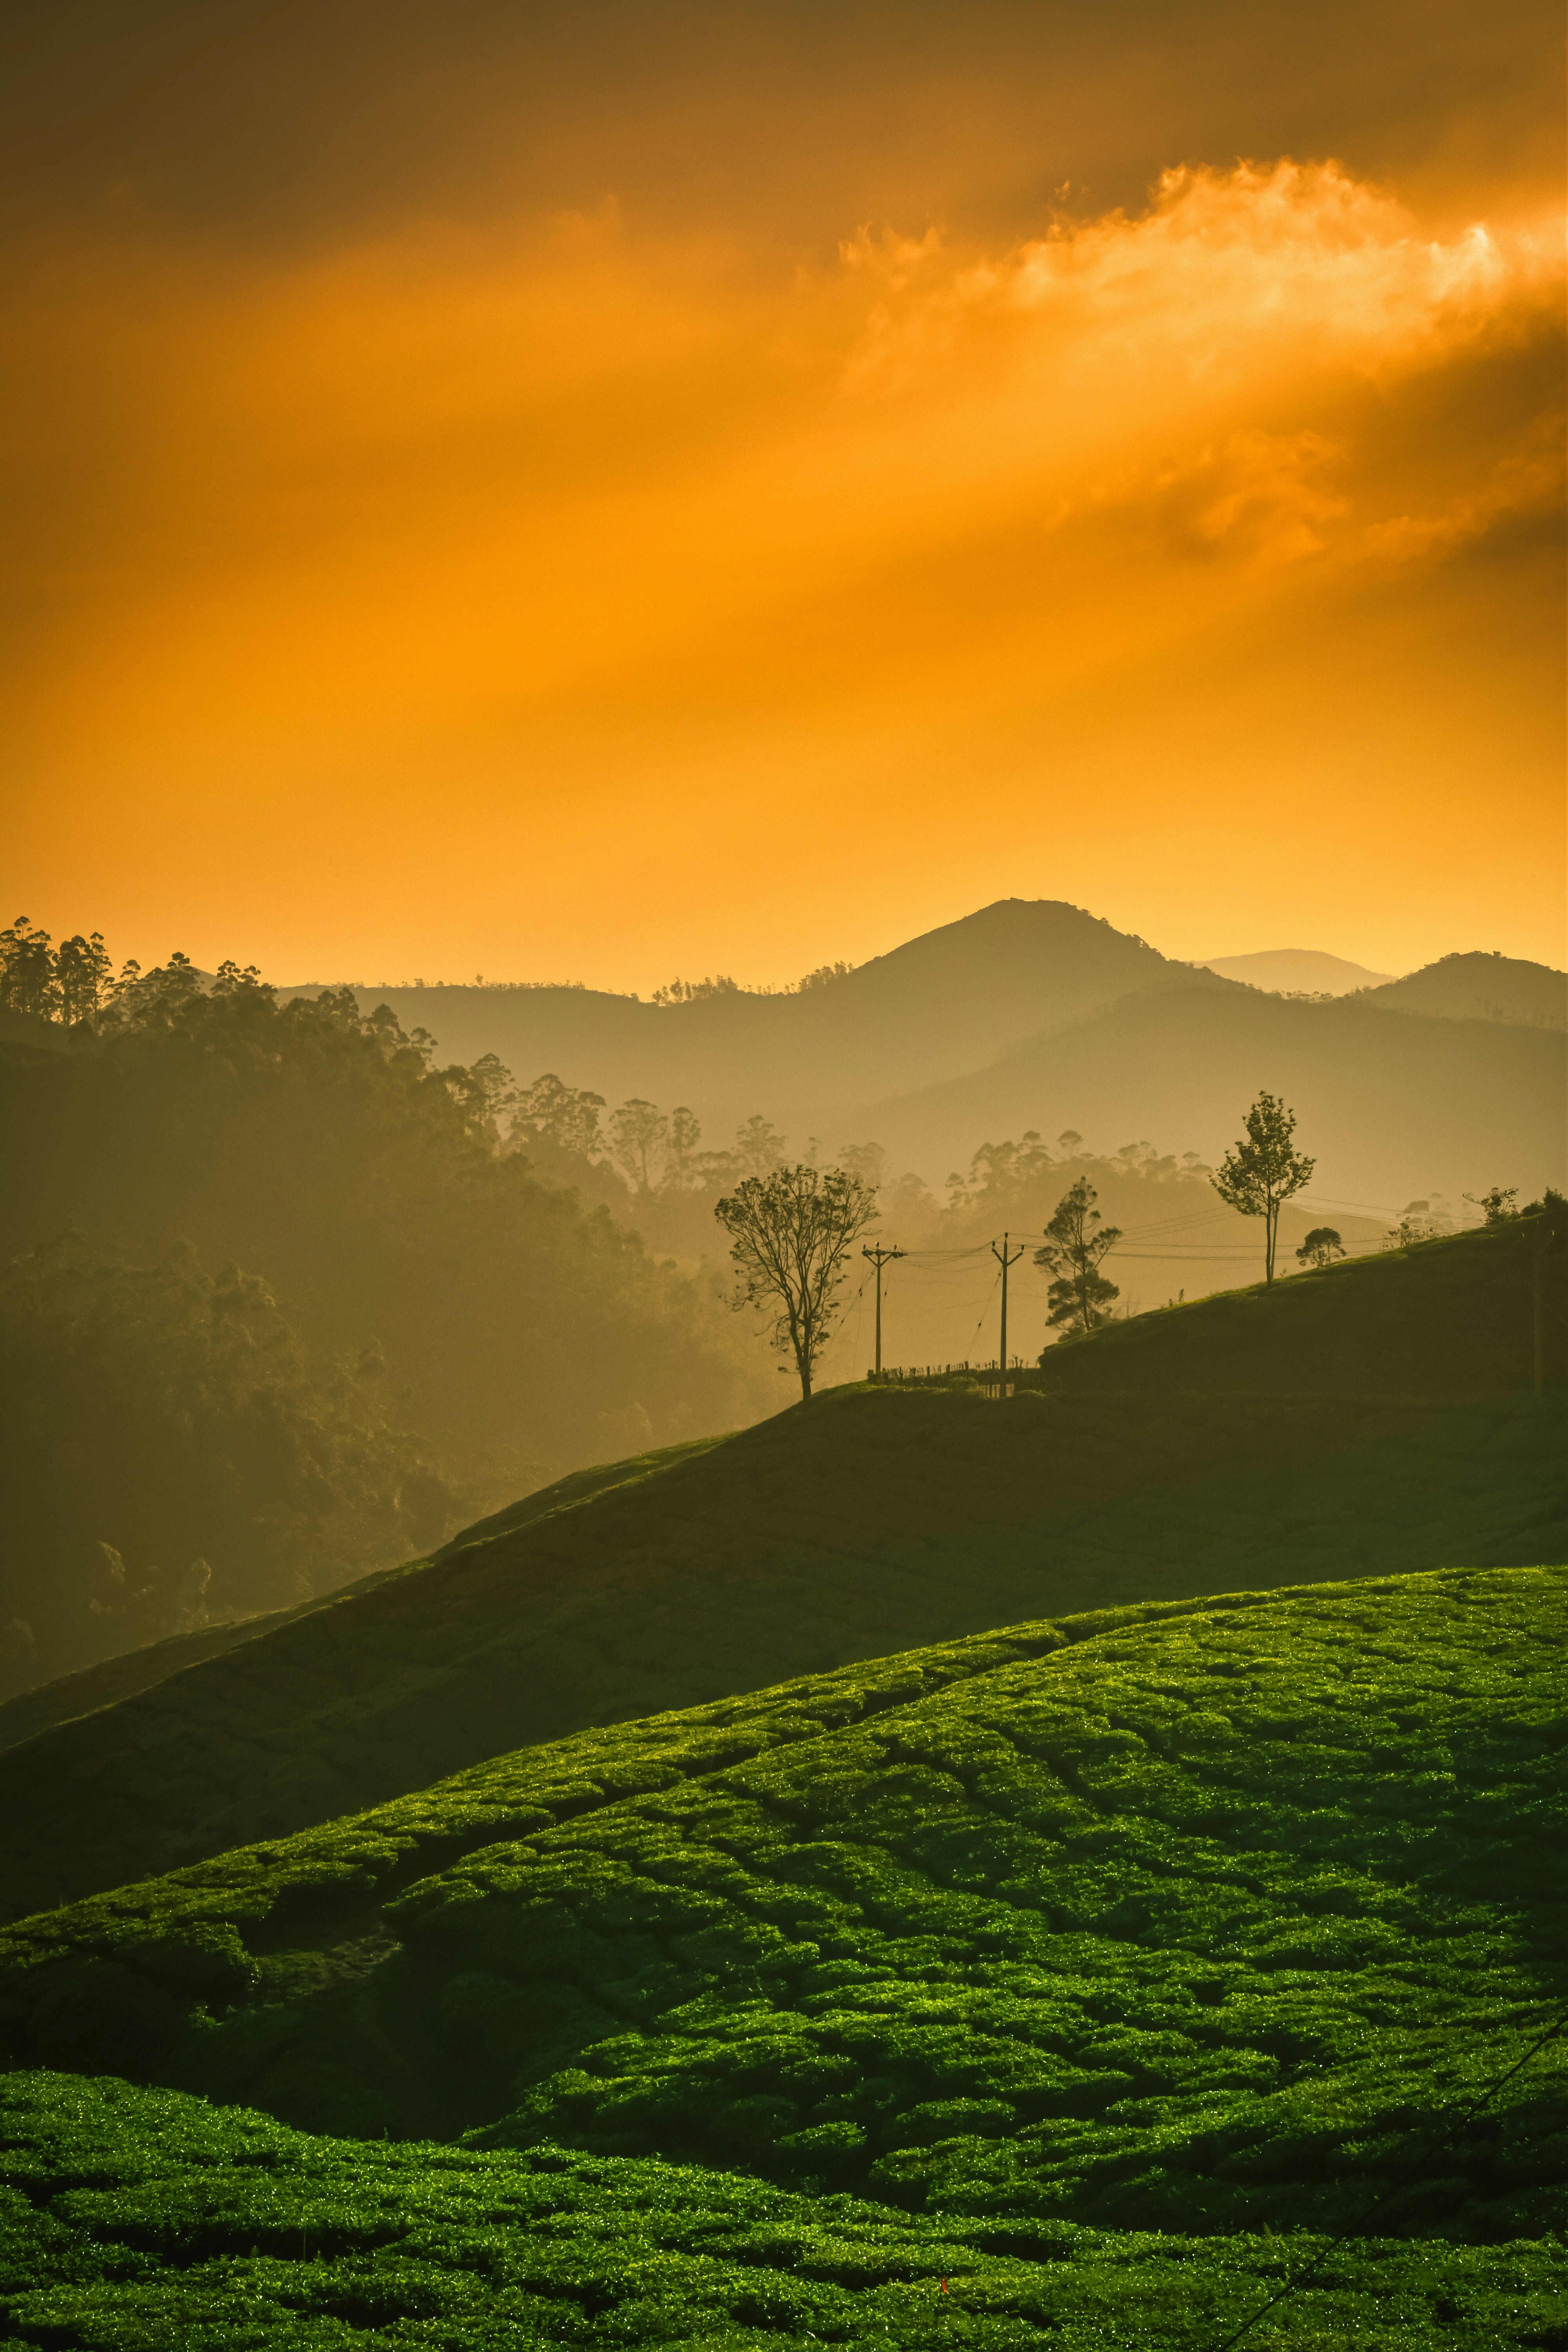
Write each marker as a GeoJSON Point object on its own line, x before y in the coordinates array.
{"type": "Point", "coordinates": [880, 1258]}
{"type": "Point", "coordinates": [1004, 1258]}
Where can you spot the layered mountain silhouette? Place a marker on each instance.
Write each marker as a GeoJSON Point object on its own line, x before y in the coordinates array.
{"type": "Point", "coordinates": [1390, 1103]}
{"type": "Point", "coordinates": [1478, 987]}
{"type": "Point", "coordinates": [1034, 1013]}
{"type": "Point", "coordinates": [939, 1005]}
{"type": "Point", "coordinates": [1293, 971]}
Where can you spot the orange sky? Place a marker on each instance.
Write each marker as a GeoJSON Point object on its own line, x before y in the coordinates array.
{"type": "Point", "coordinates": [662, 494]}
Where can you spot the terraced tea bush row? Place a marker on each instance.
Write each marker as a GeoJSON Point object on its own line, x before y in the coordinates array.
{"type": "Point", "coordinates": [110, 1982]}
{"type": "Point", "coordinates": [874, 1523]}
{"type": "Point", "coordinates": [140, 2220]}
{"type": "Point", "coordinates": [1194, 1926]}
{"type": "Point", "coordinates": [1196, 1920]}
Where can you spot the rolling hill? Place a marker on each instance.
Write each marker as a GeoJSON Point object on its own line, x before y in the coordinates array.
{"type": "Point", "coordinates": [1391, 1104]}
{"type": "Point", "coordinates": [1478, 987]}
{"type": "Point", "coordinates": [1455, 1313]}
{"type": "Point", "coordinates": [873, 1520]}
{"type": "Point", "coordinates": [1221, 1936]}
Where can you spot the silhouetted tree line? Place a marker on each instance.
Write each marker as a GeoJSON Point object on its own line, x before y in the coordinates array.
{"type": "Point", "coordinates": [383, 1204]}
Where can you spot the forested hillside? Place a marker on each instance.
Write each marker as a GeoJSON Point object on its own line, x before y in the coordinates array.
{"type": "Point", "coordinates": [278, 1295]}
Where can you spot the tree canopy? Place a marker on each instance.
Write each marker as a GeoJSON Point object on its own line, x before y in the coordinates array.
{"type": "Point", "coordinates": [791, 1233]}
{"type": "Point", "coordinates": [1075, 1243]}
{"type": "Point", "coordinates": [1261, 1172]}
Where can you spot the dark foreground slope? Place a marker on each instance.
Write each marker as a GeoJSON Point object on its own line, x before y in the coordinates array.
{"type": "Point", "coordinates": [871, 1521]}
{"type": "Point", "coordinates": [1207, 1921]}
{"type": "Point", "coordinates": [104, 1686]}
{"type": "Point", "coordinates": [1452, 1317]}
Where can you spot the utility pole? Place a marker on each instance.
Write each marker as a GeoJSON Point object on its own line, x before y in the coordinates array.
{"type": "Point", "coordinates": [880, 1258]}
{"type": "Point", "coordinates": [1004, 1258]}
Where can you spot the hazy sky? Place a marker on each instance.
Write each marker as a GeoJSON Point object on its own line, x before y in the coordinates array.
{"type": "Point", "coordinates": [607, 490]}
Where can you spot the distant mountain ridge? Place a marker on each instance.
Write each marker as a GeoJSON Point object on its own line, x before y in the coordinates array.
{"type": "Point", "coordinates": [1389, 1103]}
{"type": "Point", "coordinates": [1480, 987]}
{"type": "Point", "coordinates": [1291, 970]}
{"type": "Point", "coordinates": [1034, 1013]}
{"type": "Point", "coordinates": [941, 1005]}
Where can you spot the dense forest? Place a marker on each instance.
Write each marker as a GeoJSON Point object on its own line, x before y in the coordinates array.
{"type": "Point", "coordinates": [292, 1301]}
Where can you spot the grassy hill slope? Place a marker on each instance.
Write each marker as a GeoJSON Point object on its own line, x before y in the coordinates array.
{"type": "Point", "coordinates": [1205, 1920]}
{"type": "Point", "coordinates": [1393, 1104]}
{"type": "Point", "coordinates": [1453, 1316]}
{"type": "Point", "coordinates": [871, 1521]}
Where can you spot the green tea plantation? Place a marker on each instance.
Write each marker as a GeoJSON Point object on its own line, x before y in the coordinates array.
{"type": "Point", "coordinates": [1094, 1983]}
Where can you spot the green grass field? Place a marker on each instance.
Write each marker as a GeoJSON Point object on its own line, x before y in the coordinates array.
{"type": "Point", "coordinates": [1105, 1968]}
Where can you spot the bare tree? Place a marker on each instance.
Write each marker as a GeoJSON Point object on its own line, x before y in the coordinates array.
{"type": "Point", "coordinates": [791, 1233]}
{"type": "Point", "coordinates": [1081, 1295]}
{"type": "Point", "coordinates": [1259, 1174]}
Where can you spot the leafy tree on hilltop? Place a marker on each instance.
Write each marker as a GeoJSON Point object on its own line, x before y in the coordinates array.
{"type": "Point", "coordinates": [83, 973]}
{"type": "Point", "coordinates": [1321, 1248]}
{"type": "Point", "coordinates": [790, 1233]}
{"type": "Point", "coordinates": [1080, 1296]}
{"type": "Point", "coordinates": [1260, 1174]}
